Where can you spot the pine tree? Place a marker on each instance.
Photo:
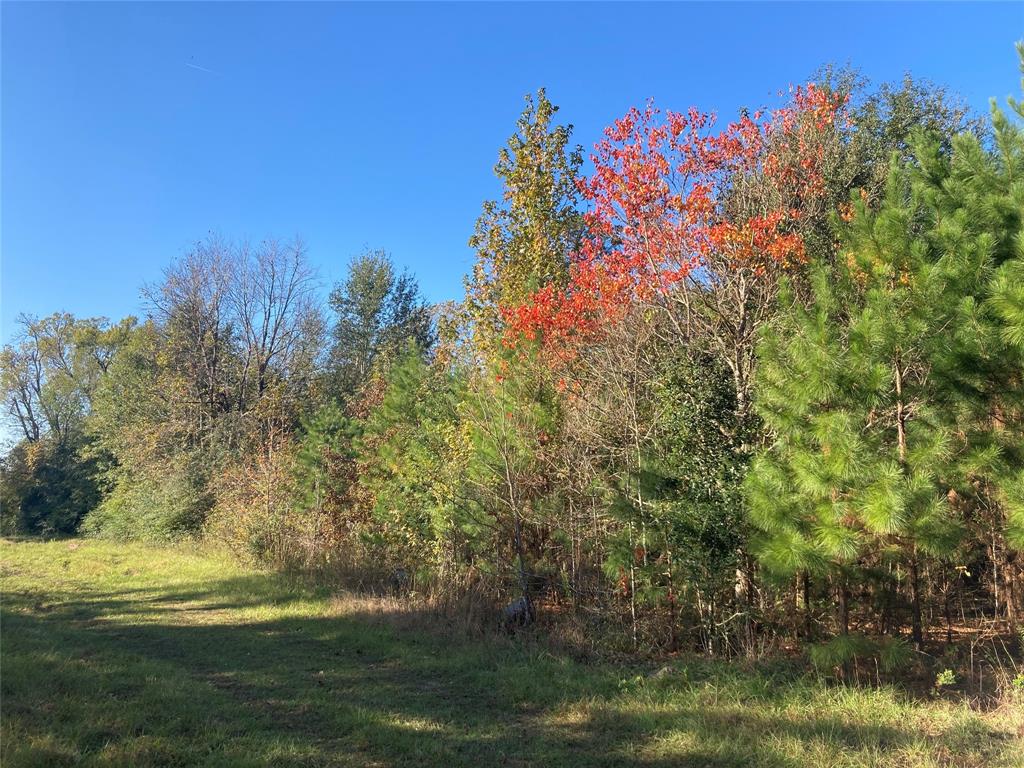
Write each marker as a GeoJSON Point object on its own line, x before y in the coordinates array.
{"type": "Point", "coordinates": [895, 397]}
{"type": "Point", "coordinates": [865, 452]}
{"type": "Point", "coordinates": [409, 467]}
{"type": "Point", "coordinates": [511, 424]}
{"type": "Point", "coordinates": [326, 473]}
{"type": "Point", "coordinates": [523, 243]}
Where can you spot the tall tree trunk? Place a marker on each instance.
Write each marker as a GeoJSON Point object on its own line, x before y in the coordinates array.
{"type": "Point", "coordinates": [917, 632]}
{"type": "Point", "coordinates": [901, 437]}
{"type": "Point", "coordinates": [805, 586]}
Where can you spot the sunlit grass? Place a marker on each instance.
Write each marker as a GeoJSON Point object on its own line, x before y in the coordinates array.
{"type": "Point", "coordinates": [143, 656]}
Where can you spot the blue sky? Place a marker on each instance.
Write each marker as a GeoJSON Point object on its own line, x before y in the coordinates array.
{"type": "Point", "coordinates": [130, 130]}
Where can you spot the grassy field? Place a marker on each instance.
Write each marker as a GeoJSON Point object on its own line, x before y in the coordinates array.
{"type": "Point", "coordinates": [137, 656]}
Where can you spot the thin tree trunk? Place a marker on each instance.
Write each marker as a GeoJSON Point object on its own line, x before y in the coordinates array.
{"type": "Point", "coordinates": [673, 640]}
{"type": "Point", "coordinates": [1010, 589]}
{"type": "Point", "coordinates": [524, 581]}
{"type": "Point", "coordinates": [632, 585]}
{"type": "Point", "coordinates": [917, 632]}
{"type": "Point", "coordinates": [517, 535]}
{"type": "Point", "coordinates": [805, 584]}
{"type": "Point", "coordinates": [947, 610]}
{"type": "Point", "coordinates": [745, 596]}
{"type": "Point", "coordinates": [995, 577]}
{"type": "Point", "coordinates": [844, 607]}
{"type": "Point", "coordinates": [901, 436]}
{"type": "Point", "coordinates": [844, 620]}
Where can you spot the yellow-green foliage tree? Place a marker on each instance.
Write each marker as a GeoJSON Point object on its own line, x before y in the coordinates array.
{"type": "Point", "coordinates": [524, 241]}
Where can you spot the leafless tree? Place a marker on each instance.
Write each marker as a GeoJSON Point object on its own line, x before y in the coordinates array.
{"type": "Point", "coordinates": [192, 308]}
{"type": "Point", "coordinates": [273, 300]}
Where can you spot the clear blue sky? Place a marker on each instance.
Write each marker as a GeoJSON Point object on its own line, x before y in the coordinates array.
{"type": "Point", "coordinates": [372, 125]}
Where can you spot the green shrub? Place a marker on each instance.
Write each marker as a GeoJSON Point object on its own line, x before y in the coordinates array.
{"type": "Point", "coordinates": [890, 653]}
{"type": "Point", "coordinates": [145, 508]}
{"type": "Point", "coordinates": [47, 487]}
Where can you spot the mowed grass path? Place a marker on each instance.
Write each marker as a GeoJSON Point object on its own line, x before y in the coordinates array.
{"type": "Point", "coordinates": [116, 655]}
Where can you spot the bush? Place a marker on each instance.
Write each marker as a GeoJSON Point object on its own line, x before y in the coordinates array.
{"type": "Point", "coordinates": [255, 513]}
{"type": "Point", "coordinates": [47, 487]}
{"type": "Point", "coordinates": [890, 654]}
{"type": "Point", "coordinates": [145, 508]}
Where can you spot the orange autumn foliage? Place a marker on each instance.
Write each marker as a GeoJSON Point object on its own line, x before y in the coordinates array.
{"type": "Point", "coordinates": [659, 211]}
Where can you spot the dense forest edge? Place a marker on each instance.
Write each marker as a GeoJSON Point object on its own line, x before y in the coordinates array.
{"type": "Point", "coordinates": [748, 390]}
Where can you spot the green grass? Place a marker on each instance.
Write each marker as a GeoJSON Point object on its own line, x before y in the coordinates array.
{"type": "Point", "coordinates": [126, 655]}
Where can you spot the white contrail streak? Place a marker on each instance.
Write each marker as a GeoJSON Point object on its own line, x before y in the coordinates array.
{"type": "Point", "coordinates": [201, 69]}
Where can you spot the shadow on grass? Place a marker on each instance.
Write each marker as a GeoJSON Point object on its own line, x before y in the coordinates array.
{"type": "Point", "coordinates": [195, 676]}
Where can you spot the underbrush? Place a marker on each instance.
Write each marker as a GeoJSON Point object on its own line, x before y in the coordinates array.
{"type": "Point", "coordinates": [984, 667]}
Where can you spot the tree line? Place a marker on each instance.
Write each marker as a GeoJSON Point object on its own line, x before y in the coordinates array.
{"type": "Point", "coordinates": [741, 386]}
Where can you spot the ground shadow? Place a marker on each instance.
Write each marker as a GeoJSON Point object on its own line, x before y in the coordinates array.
{"type": "Point", "coordinates": [176, 677]}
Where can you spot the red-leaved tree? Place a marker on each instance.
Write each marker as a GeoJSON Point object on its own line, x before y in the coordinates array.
{"type": "Point", "coordinates": [676, 208]}
{"type": "Point", "coordinates": [698, 225]}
